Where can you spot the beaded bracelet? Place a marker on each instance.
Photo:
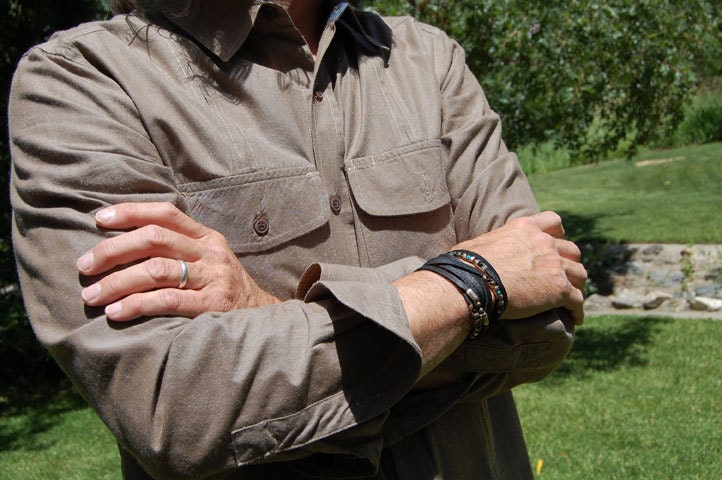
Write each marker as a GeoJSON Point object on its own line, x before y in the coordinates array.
{"type": "Point", "coordinates": [490, 276]}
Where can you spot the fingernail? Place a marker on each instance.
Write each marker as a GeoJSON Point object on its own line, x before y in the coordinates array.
{"type": "Point", "coordinates": [113, 309]}
{"type": "Point", "coordinates": [85, 262]}
{"type": "Point", "coordinates": [91, 293]}
{"type": "Point", "coordinates": [105, 215]}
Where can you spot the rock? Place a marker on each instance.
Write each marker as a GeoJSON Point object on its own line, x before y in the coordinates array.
{"type": "Point", "coordinates": [627, 299]}
{"type": "Point", "coordinates": [597, 302]}
{"type": "Point", "coordinates": [635, 268]}
{"type": "Point", "coordinates": [654, 299]}
{"type": "Point", "coordinates": [666, 278]}
{"type": "Point", "coordinates": [652, 250]}
{"type": "Point", "coordinates": [708, 291]}
{"type": "Point", "coordinates": [705, 304]}
{"type": "Point", "coordinates": [674, 304]}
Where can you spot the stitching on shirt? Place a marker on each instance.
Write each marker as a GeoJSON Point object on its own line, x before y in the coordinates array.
{"type": "Point", "coordinates": [180, 64]}
{"type": "Point", "coordinates": [388, 104]}
{"type": "Point", "coordinates": [213, 105]}
{"type": "Point", "coordinates": [336, 127]}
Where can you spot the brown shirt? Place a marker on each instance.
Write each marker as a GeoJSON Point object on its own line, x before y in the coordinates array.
{"type": "Point", "coordinates": [351, 168]}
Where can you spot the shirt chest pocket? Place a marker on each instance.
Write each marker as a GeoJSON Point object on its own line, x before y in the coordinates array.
{"type": "Point", "coordinates": [403, 202]}
{"type": "Point", "coordinates": [262, 213]}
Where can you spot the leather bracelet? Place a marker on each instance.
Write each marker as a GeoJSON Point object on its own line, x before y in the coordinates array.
{"type": "Point", "coordinates": [470, 283]}
{"type": "Point", "coordinates": [490, 276]}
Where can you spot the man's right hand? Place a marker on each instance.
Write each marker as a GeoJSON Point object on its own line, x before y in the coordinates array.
{"type": "Point", "coordinates": [539, 269]}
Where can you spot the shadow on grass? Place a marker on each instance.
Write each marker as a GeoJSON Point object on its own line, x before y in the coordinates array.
{"type": "Point", "coordinates": [26, 414]}
{"type": "Point", "coordinates": [34, 391]}
{"type": "Point", "coordinates": [621, 345]}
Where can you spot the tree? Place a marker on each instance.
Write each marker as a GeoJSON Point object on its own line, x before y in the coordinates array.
{"type": "Point", "coordinates": [588, 75]}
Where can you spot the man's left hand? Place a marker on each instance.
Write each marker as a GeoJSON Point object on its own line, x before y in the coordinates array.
{"type": "Point", "coordinates": [151, 272]}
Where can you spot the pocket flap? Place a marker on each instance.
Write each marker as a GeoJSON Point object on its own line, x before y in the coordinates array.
{"type": "Point", "coordinates": [404, 181]}
{"type": "Point", "coordinates": [290, 201]}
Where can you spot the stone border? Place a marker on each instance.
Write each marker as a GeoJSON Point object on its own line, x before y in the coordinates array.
{"type": "Point", "coordinates": [660, 279]}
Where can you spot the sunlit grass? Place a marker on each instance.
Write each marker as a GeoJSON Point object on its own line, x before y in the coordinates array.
{"type": "Point", "coordinates": [638, 398]}
{"type": "Point", "coordinates": [674, 197]}
{"type": "Point", "coordinates": [56, 437]}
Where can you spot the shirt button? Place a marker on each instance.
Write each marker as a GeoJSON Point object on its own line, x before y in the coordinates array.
{"type": "Point", "coordinates": [335, 203]}
{"type": "Point", "coordinates": [318, 95]}
{"type": "Point", "coordinates": [260, 225]}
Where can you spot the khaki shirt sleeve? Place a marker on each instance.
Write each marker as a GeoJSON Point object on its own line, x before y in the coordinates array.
{"type": "Point", "coordinates": [487, 189]}
{"type": "Point", "coordinates": [187, 397]}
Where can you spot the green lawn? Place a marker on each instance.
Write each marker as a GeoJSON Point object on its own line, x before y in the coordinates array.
{"type": "Point", "coordinates": [56, 437]}
{"type": "Point", "coordinates": [675, 198]}
{"type": "Point", "coordinates": [638, 398]}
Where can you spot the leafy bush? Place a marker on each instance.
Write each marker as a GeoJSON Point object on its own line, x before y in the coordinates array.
{"type": "Point", "coordinates": [703, 122]}
{"type": "Point", "coordinates": [543, 158]}
{"type": "Point", "coordinates": [558, 70]}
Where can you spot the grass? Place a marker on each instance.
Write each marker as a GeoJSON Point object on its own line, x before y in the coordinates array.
{"type": "Point", "coordinates": [56, 437]}
{"type": "Point", "coordinates": [638, 398]}
{"type": "Point", "coordinates": [673, 197]}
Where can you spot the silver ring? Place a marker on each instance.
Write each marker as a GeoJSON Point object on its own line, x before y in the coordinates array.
{"type": "Point", "coordinates": [184, 274]}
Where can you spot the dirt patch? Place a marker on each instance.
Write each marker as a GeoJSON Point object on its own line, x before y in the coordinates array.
{"type": "Point", "coordinates": [644, 163]}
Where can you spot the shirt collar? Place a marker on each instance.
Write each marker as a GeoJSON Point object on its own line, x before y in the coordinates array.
{"type": "Point", "coordinates": [222, 26]}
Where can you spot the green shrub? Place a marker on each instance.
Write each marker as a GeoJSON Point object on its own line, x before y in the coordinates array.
{"type": "Point", "coordinates": [543, 158]}
{"type": "Point", "coordinates": [703, 122]}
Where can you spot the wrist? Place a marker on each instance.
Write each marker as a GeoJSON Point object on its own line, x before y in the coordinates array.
{"type": "Point", "coordinates": [478, 283]}
{"type": "Point", "coordinates": [437, 314]}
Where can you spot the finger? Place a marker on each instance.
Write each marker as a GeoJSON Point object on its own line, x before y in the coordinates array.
{"type": "Point", "coordinates": [549, 223]}
{"type": "Point", "coordinates": [576, 273]}
{"type": "Point", "coordinates": [164, 302]}
{"type": "Point", "coordinates": [146, 242]}
{"type": "Point", "coordinates": [568, 250]}
{"type": "Point", "coordinates": [575, 306]}
{"type": "Point", "coordinates": [149, 275]}
{"type": "Point", "coordinates": [135, 215]}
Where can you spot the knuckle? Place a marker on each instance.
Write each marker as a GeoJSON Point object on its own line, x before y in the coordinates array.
{"type": "Point", "coordinates": [522, 222]}
{"type": "Point", "coordinates": [159, 270]}
{"type": "Point", "coordinates": [154, 236]}
{"type": "Point", "coordinates": [544, 241]}
{"type": "Point", "coordinates": [561, 283]}
{"type": "Point", "coordinates": [216, 251]}
{"type": "Point", "coordinates": [220, 301]}
{"type": "Point", "coordinates": [171, 300]}
{"type": "Point", "coordinates": [104, 249]}
{"type": "Point", "coordinates": [555, 217]}
{"type": "Point", "coordinates": [215, 241]}
{"type": "Point", "coordinates": [583, 273]}
{"type": "Point", "coordinates": [168, 209]}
